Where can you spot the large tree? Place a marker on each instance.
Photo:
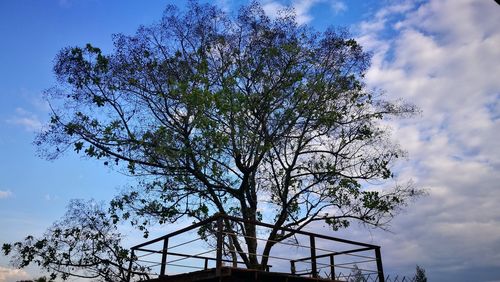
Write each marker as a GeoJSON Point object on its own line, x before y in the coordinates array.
{"type": "Point", "coordinates": [220, 113]}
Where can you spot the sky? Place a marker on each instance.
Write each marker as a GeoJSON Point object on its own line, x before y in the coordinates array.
{"type": "Point", "coordinates": [441, 55]}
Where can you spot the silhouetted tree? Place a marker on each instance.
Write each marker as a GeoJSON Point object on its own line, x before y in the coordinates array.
{"type": "Point", "coordinates": [420, 274]}
{"type": "Point", "coordinates": [231, 114]}
{"type": "Point", "coordinates": [356, 275]}
{"type": "Point", "coordinates": [84, 244]}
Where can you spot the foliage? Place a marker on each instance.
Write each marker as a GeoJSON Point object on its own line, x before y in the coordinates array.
{"type": "Point", "coordinates": [231, 114]}
{"type": "Point", "coordinates": [420, 274]}
{"type": "Point", "coordinates": [83, 244]}
{"type": "Point", "coordinates": [356, 275]}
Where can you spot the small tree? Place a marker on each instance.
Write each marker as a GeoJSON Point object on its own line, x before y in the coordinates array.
{"type": "Point", "coordinates": [83, 244]}
{"type": "Point", "coordinates": [216, 113]}
{"type": "Point", "coordinates": [356, 275]}
{"type": "Point", "coordinates": [420, 274]}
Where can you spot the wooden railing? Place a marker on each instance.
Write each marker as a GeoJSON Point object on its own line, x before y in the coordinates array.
{"type": "Point", "coordinates": [217, 226]}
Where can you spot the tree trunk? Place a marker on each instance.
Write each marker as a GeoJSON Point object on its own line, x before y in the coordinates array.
{"type": "Point", "coordinates": [251, 240]}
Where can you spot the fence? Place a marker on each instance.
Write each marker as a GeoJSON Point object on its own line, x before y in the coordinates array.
{"type": "Point", "coordinates": [388, 278]}
{"type": "Point", "coordinates": [210, 244]}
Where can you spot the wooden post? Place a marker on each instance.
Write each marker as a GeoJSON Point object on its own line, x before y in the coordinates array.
{"type": "Point", "coordinates": [312, 245]}
{"type": "Point", "coordinates": [164, 257]}
{"type": "Point", "coordinates": [380, 268]}
{"type": "Point", "coordinates": [233, 251]}
{"type": "Point", "coordinates": [218, 262]}
{"type": "Point", "coordinates": [130, 265]}
{"type": "Point", "coordinates": [332, 266]}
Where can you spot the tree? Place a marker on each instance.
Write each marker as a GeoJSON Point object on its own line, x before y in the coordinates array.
{"type": "Point", "coordinates": [216, 113]}
{"type": "Point", "coordinates": [83, 244]}
{"type": "Point", "coordinates": [356, 275]}
{"type": "Point", "coordinates": [420, 274]}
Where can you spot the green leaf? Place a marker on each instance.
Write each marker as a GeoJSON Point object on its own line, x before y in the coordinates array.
{"type": "Point", "coordinates": [6, 249]}
{"type": "Point", "coordinates": [78, 146]}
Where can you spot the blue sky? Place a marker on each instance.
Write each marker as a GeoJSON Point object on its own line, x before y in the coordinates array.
{"type": "Point", "coordinates": [442, 55]}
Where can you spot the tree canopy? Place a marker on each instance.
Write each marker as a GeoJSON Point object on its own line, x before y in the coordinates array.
{"type": "Point", "coordinates": [235, 114]}
{"type": "Point", "coordinates": [83, 244]}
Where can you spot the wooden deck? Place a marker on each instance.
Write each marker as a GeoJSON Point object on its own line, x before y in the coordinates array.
{"type": "Point", "coordinates": [230, 274]}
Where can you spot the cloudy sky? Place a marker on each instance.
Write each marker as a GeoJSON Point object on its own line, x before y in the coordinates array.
{"type": "Point", "coordinates": [442, 55]}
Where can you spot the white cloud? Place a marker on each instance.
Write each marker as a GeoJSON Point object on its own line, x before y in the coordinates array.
{"type": "Point", "coordinates": [49, 197]}
{"type": "Point", "coordinates": [302, 8]}
{"type": "Point", "coordinates": [272, 8]}
{"type": "Point", "coordinates": [35, 99]}
{"type": "Point", "coordinates": [338, 6]}
{"type": "Point", "coordinates": [28, 120]}
{"type": "Point", "coordinates": [5, 194]}
{"type": "Point", "coordinates": [10, 274]}
{"type": "Point", "coordinates": [443, 56]}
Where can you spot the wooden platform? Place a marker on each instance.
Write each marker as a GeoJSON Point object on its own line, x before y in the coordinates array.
{"type": "Point", "coordinates": [230, 274]}
{"type": "Point", "coordinates": [223, 223]}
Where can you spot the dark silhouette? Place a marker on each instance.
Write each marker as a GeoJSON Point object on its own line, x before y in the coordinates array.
{"type": "Point", "coordinates": [420, 274]}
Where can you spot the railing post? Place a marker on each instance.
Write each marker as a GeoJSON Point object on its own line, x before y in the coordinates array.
{"type": "Point", "coordinates": [312, 245]}
{"type": "Point", "coordinates": [164, 257]}
{"type": "Point", "coordinates": [233, 251]}
{"type": "Point", "coordinates": [130, 265]}
{"type": "Point", "coordinates": [380, 268]}
{"type": "Point", "coordinates": [332, 266]}
{"type": "Point", "coordinates": [218, 265]}
{"type": "Point", "coordinates": [292, 266]}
